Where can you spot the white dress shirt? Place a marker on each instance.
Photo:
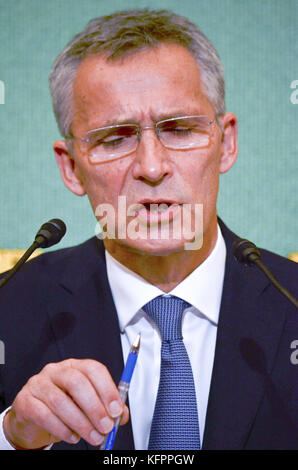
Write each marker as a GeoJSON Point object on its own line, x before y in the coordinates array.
{"type": "Point", "coordinates": [203, 290]}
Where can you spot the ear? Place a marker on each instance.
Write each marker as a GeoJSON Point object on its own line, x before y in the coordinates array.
{"type": "Point", "coordinates": [68, 168]}
{"type": "Point", "coordinates": [229, 144]}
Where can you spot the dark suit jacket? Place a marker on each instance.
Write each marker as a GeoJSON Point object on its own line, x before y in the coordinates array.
{"type": "Point", "coordinates": [60, 306]}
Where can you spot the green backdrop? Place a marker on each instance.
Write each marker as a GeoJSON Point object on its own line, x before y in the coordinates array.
{"type": "Point", "coordinates": [257, 42]}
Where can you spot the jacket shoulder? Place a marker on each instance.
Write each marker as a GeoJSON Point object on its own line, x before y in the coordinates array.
{"type": "Point", "coordinates": [51, 267]}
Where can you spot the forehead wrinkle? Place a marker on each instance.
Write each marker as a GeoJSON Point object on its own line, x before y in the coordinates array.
{"type": "Point", "coordinates": [101, 114]}
{"type": "Point", "coordinates": [126, 116]}
{"type": "Point", "coordinates": [154, 118]}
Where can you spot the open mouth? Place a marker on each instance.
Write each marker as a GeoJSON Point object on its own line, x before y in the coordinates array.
{"type": "Point", "coordinates": [155, 212]}
{"type": "Point", "coordinates": [156, 207]}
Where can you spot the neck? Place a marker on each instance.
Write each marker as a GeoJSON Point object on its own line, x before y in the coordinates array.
{"type": "Point", "coordinates": [161, 270]}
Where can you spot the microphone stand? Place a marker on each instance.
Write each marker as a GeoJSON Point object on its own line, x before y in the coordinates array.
{"type": "Point", "coordinates": [246, 252]}
{"type": "Point", "coordinates": [19, 264]}
{"type": "Point", "coordinates": [275, 282]}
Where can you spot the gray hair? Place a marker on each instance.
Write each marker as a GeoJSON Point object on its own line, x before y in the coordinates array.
{"type": "Point", "coordinates": [126, 32]}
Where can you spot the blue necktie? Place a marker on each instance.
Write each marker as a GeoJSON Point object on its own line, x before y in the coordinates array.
{"type": "Point", "coordinates": [175, 424]}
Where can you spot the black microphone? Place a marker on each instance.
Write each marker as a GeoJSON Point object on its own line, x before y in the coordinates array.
{"type": "Point", "coordinates": [48, 235]}
{"type": "Point", "coordinates": [246, 252]}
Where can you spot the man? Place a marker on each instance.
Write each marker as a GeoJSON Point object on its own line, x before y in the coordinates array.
{"type": "Point", "coordinates": [139, 99]}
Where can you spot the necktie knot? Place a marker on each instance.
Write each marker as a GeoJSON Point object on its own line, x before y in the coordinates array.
{"type": "Point", "coordinates": [167, 311]}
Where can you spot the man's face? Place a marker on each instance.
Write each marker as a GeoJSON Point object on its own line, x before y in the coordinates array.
{"type": "Point", "coordinates": [146, 87]}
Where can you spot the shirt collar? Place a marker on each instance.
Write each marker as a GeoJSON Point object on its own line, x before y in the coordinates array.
{"type": "Point", "coordinates": [202, 288]}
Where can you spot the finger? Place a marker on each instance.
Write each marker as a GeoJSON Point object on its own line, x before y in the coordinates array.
{"type": "Point", "coordinates": [67, 411]}
{"type": "Point", "coordinates": [104, 385]}
{"type": "Point", "coordinates": [82, 391]}
{"type": "Point", "coordinates": [125, 416]}
{"type": "Point", "coordinates": [43, 426]}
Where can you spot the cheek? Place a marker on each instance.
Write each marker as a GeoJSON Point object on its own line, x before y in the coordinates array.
{"type": "Point", "coordinates": [203, 173]}
{"type": "Point", "coordinates": [102, 182]}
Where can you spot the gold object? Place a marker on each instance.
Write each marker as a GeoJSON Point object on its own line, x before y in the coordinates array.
{"type": "Point", "coordinates": [8, 258]}
{"type": "Point", "coordinates": [293, 257]}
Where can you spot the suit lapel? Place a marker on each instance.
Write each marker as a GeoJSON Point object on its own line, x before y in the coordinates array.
{"type": "Point", "coordinates": [249, 330]}
{"type": "Point", "coordinates": [84, 318]}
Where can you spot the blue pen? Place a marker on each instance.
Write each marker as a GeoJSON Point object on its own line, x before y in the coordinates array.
{"type": "Point", "coordinates": [123, 389]}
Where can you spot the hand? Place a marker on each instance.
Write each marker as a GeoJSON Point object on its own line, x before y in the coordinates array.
{"type": "Point", "coordinates": [66, 401]}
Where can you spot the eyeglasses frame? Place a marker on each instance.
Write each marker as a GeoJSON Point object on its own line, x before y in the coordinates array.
{"type": "Point", "coordinates": [140, 130]}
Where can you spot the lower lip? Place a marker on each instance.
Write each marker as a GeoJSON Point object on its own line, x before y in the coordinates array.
{"type": "Point", "coordinates": [146, 216]}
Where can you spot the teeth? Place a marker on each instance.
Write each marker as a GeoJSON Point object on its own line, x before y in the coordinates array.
{"type": "Point", "coordinates": [158, 208]}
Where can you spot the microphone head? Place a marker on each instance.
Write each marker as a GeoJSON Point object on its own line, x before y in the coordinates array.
{"type": "Point", "coordinates": [245, 251]}
{"type": "Point", "coordinates": [50, 233]}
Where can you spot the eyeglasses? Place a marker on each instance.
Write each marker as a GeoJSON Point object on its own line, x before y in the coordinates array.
{"type": "Point", "coordinates": [117, 141]}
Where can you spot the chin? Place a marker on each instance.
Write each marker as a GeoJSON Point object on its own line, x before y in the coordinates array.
{"type": "Point", "coordinates": [155, 247]}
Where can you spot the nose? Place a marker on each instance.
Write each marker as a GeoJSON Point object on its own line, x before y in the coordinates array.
{"type": "Point", "coordinates": [152, 162]}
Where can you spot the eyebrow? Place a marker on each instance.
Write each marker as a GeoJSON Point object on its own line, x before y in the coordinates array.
{"type": "Point", "coordinates": [175, 114]}
{"type": "Point", "coordinates": [111, 122]}
{"type": "Point", "coordinates": [154, 118]}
